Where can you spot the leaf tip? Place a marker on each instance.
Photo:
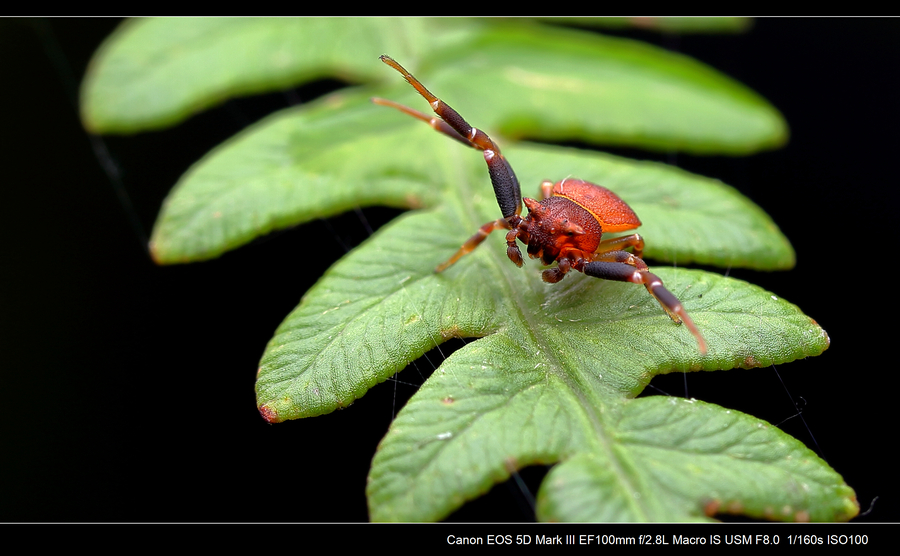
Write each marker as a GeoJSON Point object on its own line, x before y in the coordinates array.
{"type": "Point", "coordinates": [269, 414]}
{"type": "Point", "coordinates": [88, 121]}
{"type": "Point", "coordinates": [162, 255]}
{"type": "Point", "coordinates": [851, 507]}
{"type": "Point", "coordinates": [825, 335]}
{"type": "Point", "coordinates": [153, 249]}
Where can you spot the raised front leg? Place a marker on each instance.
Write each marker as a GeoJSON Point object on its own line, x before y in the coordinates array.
{"type": "Point", "coordinates": [436, 123]}
{"type": "Point", "coordinates": [503, 179]}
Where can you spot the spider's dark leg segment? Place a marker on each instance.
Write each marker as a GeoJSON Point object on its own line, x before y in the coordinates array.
{"type": "Point", "coordinates": [506, 185]}
{"type": "Point", "coordinates": [624, 272]}
{"type": "Point", "coordinates": [474, 242]}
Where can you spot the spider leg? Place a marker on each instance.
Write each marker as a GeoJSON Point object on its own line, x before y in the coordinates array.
{"type": "Point", "coordinates": [476, 240]}
{"type": "Point", "coordinates": [546, 189]}
{"type": "Point", "coordinates": [612, 266]}
{"type": "Point", "coordinates": [436, 123]}
{"type": "Point", "coordinates": [503, 179]}
{"type": "Point", "coordinates": [621, 243]}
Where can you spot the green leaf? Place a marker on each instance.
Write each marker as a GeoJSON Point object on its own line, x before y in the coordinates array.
{"type": "Point", "coordinates": [152, 73]}
{"type": "Point", "coordinates": [557, 84]}
{"type": "Point", "coordinates": [551, 381]}
{"type": "Point", "coordinates": [552, 374]}
{"type": "Point", "coordinates": [523, 79]}
{"type": "Point", "coordinates": [290, 168]}
{"type": "Point", "coordinates": [674, 459]}
{"type": "Point", "coordinates": [650, 459]}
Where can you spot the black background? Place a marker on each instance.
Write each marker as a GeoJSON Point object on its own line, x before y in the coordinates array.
{"type": "Point", "coordinates": [126, 389]}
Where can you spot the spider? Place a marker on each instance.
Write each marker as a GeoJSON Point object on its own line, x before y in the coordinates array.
{"type": "Point", "coordinates": [565, 226]}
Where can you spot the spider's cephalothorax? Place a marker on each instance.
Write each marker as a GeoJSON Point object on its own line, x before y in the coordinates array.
{"type": "Point", "coordinates": [566, 226]}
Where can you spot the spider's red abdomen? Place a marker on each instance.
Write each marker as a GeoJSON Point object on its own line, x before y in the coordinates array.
{"type": "Point", "coordinates": [613, 214]}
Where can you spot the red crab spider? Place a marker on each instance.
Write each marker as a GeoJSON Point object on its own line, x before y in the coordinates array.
{"type": "Point", "coordinates": [565, 226]}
